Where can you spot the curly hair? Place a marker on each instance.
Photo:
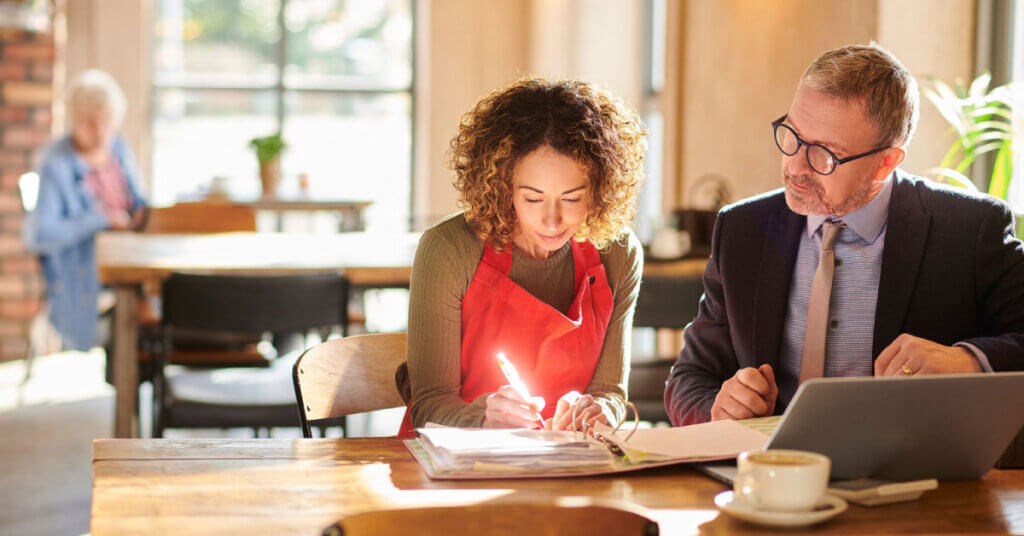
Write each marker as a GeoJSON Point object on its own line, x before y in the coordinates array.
{"type": "Point", "coordinates": [578, 120]}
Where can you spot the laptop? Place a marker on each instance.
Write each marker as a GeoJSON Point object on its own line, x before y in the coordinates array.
{"type": "Point", "coordinates": [948, 427]}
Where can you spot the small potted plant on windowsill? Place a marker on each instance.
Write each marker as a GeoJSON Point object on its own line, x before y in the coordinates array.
{"type": "Point", "coordinates": [268, 152]}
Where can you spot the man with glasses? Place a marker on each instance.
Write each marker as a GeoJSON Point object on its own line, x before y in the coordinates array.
{"type": "Point", "coordinates": [854, 268]}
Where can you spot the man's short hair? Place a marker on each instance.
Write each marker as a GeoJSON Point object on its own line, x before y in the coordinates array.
{"type": "Point", "coordinates": [875, 77]}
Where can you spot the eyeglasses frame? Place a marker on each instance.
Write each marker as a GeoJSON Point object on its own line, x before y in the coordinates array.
{"type": "Point", "coordinates": [836, 161]}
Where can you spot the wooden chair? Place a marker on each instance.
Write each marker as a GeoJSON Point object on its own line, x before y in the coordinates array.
{"type": "Point", "coordinates": [664, 302]}
{"type": "Point", "coordinates": [200, 217]}
{"type": "Point", "coordinates": [563, 515]}
{"type": "Point", "coordinates": [346, 376]}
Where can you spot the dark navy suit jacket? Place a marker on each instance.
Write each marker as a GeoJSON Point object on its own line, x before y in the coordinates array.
{"type": "Point", "coordinates": [952, 271]}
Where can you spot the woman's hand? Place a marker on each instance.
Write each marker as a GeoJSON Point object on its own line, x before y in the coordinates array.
{"type": "Point", "coordinates": [587, 411]}
{"type": "Point", "coordinates": [120, 220]}
{"type": "Point", "coordinates": [506, 409]}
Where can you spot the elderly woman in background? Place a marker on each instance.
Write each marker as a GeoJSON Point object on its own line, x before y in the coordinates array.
{"type": "Point", "coordinates": [87, 183]}
{"type": "Point", "coordinates": [540, 266]}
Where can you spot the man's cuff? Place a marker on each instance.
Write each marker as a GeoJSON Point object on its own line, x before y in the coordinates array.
{"type": "Point", "coordinates": [978, 354]}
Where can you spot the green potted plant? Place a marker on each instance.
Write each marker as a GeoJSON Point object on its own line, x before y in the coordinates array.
{"type": "Point", "coordinates": [268, 152]}
{"type": "Point", "coordinates": [984, 121]}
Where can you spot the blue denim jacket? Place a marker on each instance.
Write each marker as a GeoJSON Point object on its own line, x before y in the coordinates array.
{"type": "Point", "coordinates": [62, 230]}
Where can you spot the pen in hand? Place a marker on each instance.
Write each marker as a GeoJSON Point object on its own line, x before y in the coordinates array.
{"type": "Point", "coordinates": [515, 381]}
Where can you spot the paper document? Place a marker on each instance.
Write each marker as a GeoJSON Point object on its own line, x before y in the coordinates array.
{"type": "Point", "coordinates": [475, 453]}
{"type": "Point", "coordinates": [510, 450]}
{"type": "Point", "coordinates": [718, 439]}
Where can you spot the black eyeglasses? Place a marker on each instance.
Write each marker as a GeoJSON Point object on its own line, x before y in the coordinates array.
{"type": "Point", "coordinates": [821, 160]}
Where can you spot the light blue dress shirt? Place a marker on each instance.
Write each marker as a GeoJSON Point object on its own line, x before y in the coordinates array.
{"type": "Point", "coordinates": [858, 254]}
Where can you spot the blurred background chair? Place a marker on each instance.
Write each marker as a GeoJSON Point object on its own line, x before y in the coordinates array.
{"type": "Point", "coordinates": [200, 217]}
{"type": "Point", "coordinates": [192, 397]}
{"type": "Point", "coordinates": [346, 376]}
{"type": "Point", "coordinates": [204, 348]}
{"type": "Point", "coordinates": [663, 303]}
{"type": "Point", "coordinates": [563, 515]}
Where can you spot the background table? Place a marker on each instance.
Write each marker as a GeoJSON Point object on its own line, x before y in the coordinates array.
{"type": "Point", "coordinates": [128, 260]}
{"type": "Point", "coordinates": [299, 486]}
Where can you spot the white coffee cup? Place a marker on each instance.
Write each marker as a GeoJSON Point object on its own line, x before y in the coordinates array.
{"type": "Point", "coordinates": [781, 480]}
{"type": "Point", "coordinates": [669, 243]}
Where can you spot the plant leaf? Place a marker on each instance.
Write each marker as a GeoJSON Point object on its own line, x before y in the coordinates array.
{"type": "Point", "coordinates": [1002, 172]}
{"type": "Point", "coordinates": [951, 154]}
{"type": "Point", "coordinates": [949, 108]}
{"type": "Point", "coordinates": [990, 110]}
{"type": "Point", "coordinates": [980, 85]}
{"type": "Point", "coordinates": [966, 162]}
{"type": "Point", "coordinates": [954, 177]}
{"type": "Point", "coordinates": [990, 135]}
{"type": "Point", "coordinates": [1001, 126]}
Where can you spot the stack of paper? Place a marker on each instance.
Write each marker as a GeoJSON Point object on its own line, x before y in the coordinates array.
{"type": "Point", "coordinates": [512, 450]}
{"type": "Point", "coordinates": [474, 453]}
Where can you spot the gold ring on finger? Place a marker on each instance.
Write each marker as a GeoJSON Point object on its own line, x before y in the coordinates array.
{"type": "Point", "coordinates": [906, 370]}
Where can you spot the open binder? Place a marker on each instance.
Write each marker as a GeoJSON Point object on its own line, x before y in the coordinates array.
{"type": "Point", "coordinates": [473, 453]}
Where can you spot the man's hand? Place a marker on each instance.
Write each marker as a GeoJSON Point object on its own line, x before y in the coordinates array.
{"type": "Point", "coordinates": [751, 392]}
{"type": "Point", "coordinates": [921, 356]}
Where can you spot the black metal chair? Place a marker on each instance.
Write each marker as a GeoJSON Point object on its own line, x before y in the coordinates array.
{"type": "Point", "coordinates": [239, 396]}
{"type": "Point", "coordinates": [664, 302]}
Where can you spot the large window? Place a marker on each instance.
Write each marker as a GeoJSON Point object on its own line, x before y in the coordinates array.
{"type": "Point", "coordinates": [649, 213]}
{"type": "Point", "coordinates": [333, 76]}
{"type": "Point", "coordinates": [1016, 192]}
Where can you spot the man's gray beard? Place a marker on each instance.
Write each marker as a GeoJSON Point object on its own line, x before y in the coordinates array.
{"type": "Point", "coordinates": [813, 202]}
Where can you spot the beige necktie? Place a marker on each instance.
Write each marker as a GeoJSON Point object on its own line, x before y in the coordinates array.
{"type": "Point", "coordinates": [813, 363]}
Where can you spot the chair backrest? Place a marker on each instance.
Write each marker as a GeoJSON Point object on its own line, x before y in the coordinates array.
{"type": "Point", "coordinates": [667, 302]}
{"type": "Point", "coordinates": [255, 303]}
{"type": "Point", "coordinates": [664, 302]}
{"type": "Point", "coordinates": [563, 515]}
{"type": "Point", "coordinates": [349, 375]}
{"type": "Point", "coordinates": [200, 217]}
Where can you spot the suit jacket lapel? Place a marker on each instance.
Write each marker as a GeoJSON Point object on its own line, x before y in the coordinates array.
{"type": "Point", "coordinates": [774, 276]}
{"type": "Point", "coordinates": [905, 238]}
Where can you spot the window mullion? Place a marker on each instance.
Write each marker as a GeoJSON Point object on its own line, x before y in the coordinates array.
{"type": "Point", "coordinates": [282, 58]}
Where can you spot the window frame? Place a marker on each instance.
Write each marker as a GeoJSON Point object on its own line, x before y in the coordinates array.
{"type": "Point", "coordinates": [280, 89]}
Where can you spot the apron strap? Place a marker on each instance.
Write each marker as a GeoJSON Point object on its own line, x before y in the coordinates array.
{"type": "Point", "coordinates": [502, 262]}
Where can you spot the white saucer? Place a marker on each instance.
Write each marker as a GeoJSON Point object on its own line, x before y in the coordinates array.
{"type": "Point", "coordinates": [829, 507]}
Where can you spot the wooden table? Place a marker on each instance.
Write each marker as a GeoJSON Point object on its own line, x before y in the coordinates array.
{"type": "Point", "coordinates": [128, 260]}
{"type": "Point", "coordinates": [283, 486]}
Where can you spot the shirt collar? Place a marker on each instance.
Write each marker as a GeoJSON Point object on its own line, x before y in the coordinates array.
{"type": "Point", "coordinates": [867, 221]}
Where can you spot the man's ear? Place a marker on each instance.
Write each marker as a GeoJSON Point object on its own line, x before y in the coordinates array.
{"type": "Point", "coordinates": [893, 158]}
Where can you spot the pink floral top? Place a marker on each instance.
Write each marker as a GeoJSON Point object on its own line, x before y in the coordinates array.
{"type": "Point", "coordinates": [110, 186]}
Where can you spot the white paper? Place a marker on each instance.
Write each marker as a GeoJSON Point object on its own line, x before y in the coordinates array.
{"type": "Point", "coordinates": [707, 440]}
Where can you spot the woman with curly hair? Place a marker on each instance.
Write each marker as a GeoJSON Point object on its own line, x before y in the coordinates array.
{"type": "Point", "coordinates": [539, 266]}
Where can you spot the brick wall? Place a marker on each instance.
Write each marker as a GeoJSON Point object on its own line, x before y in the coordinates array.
{"type": "Point", "coordinates": [26, 99]}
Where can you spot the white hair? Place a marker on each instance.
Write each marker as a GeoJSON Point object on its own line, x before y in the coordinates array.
{"type": "Point", "coordinates": [96, 90]}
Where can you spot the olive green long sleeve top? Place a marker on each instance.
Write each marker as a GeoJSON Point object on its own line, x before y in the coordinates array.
{"type": "Point", "coordinates": [445, 263]}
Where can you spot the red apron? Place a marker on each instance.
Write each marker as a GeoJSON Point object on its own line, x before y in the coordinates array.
{"type": "Point", "coordinates": [553, 353]}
